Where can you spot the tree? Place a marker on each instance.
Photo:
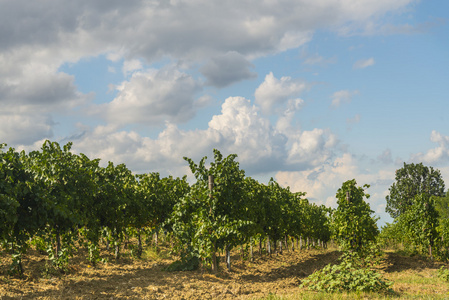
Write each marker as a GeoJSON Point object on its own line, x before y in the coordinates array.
{"type": "Point", "coordinates": [354, 227]}
{"type": "Point", "coordinates": [412, 180]}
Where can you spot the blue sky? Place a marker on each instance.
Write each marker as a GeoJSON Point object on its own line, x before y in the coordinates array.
{"type": "Point", "coordinates": [312, 93]}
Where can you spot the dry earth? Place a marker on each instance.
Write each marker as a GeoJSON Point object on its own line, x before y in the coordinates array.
{"type": "Point", "coordinates": [147, 278]}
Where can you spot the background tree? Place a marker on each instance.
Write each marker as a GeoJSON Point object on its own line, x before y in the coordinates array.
{"type": "Point", "coordinates": [412, 180]}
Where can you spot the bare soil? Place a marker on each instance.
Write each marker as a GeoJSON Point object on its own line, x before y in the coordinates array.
{"type": "Point", "coordinates": [147, 278]}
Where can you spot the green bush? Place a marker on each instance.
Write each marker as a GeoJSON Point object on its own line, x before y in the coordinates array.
{"type": "Point", "coordinates": [352, 274]}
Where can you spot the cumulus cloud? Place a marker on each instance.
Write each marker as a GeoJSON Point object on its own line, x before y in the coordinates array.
{"type": "Point", "coordinates": [31, 79]}
{"type": "Point", "coordinates": [130, 66]}
{"type": "Point", "coordinates": [224, 70]}
{"type": "Point", "coordinates": [284, 122]}
{"type": "Point", "coordinates": [343, 96]}
{"type": "Point", "coordinates": [322, 182]}
{"type": "Point", "coordinates": [274, 93]}
{"type": "Point", "coordinates": [437, 155]}
{"type": "Point", "coordinates": [153, 97]}
{"type": "Point", "coordinates": [32, 91]}
{"type": "Point", "coordinates": [363, 63]}
{"type": "Point", "coordinates": [239, 128]}
{"type": "Point", "coordinates": [24, 129]}
{"type": "Point", "coordinates": [312, 148]}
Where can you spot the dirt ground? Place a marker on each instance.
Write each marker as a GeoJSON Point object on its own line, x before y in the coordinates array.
{"type": "Point", "coordinates": [147, 278]}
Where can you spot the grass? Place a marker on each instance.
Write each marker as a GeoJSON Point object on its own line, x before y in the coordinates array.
{"type": "Point", "coordinates": [414, 277]}
{"type": "Point", "coordinates": [304, 295]}
{"type": "Point", "coordinates": [156, 255]}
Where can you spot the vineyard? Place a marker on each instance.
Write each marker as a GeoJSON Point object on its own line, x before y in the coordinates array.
{"type": "Point", "coordinates": [62, 213]}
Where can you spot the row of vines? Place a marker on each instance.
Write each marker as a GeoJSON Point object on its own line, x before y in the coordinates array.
{"type": "Point", "coordinates": [59, 201]}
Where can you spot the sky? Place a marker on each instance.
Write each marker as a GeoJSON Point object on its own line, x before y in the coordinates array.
{"type": "Point", "coordinates": [309, 92]}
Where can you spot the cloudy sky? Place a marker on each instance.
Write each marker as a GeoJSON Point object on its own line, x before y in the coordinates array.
{"type": "Point", "coordinates": [310, 92]}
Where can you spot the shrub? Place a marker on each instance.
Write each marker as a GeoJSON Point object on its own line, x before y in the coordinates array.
{"type": "Point", "coordinates": [352, 274]}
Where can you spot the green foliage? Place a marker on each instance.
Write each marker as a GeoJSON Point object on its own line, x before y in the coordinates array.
{"type": "Point", "coordinates": [190, 264]}
{"type": "Point", "coordinates": [418, 225]}
{"type": "Point", "coordinates": [353, 273]}
{"type": "Point", "coordinates": [442, 206]}
{"type": "Point", "coordinates": [53, 199]}
{"type": "Point", "coordinates": [205, 221]}
{"type": "Point", "coordinates": [443, 273]}
{"type": "Point", "coordinates": [412, 180]}
{"type": "Point", "coordinates": [156, 198]}
{"type": "Point", "coordinates": [420, 207]}
{"type": "Point", "coordinates": [21, 208]}
{"type": "Point", "coordinates": [355, 230]}
{"type": "Point", "coordinates": [390, 236]}
{"type": "Point", "coordinates": [353, 224]}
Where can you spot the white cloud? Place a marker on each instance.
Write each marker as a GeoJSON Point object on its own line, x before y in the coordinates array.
{"type": "Point", "coordinates": [343, 96]}
{"type": "Point", "coordinates": [322, 182]}
{"type": "Point", "coordinates": [17, 129]}
{"type": "Point", "coordinates": [193, 28]}
{"type": "Point", "coordinates": [32, 92]}
{"type": "Point", "coordinates": [273, 93]}
{"type": "Point", "coordinates": [153, 97]}
{"type": "Point", "coordinates": [363, 63]}
{"type": "Point", "coordinates": [40, 37]}
{"type": "Point", "coordinates": [312, 148]}
{"type": "Point", "coordinates": [284, 122]}
{"type": "Point", "coordinates": [130, 66]}
{"type": "Point", "coordinates": [29, 78]}
{"type": "Point", "coordinates": [438, 155]}
{"type": "Point", "coordinates": [239, 128]}
{"type": "Point", "coordinates": [293, 39]}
